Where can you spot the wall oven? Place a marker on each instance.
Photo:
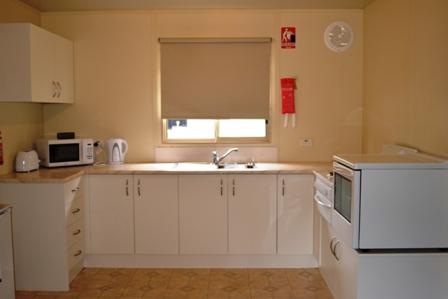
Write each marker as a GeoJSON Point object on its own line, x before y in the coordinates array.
{"type": "Point", "coordinates": [346, 199]}
{"type": "Point", "coordinates": [391, 201]}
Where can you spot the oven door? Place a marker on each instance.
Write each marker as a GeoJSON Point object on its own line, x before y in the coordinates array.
{"type": "Point", "coordinates": [345, 218]}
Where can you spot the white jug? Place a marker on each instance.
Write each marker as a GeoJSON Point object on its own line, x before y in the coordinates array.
{"type": "Point", "coordinates": [116, 150]}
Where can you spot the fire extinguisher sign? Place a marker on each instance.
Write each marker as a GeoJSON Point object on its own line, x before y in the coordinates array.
{"type": "Point", "coordinates": [288, 37]}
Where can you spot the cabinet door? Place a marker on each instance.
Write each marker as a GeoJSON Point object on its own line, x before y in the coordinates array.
{"type": "Point", "coordinates": [252, 214]}
{"type": "Point", "coordinates": [295, 214]}
{"type": "Point", "coordinates": [63, 70]}
{"type": "Point", "coordinates": [6, 258]}
{"type": "Point", "coordinates": [111, 212]}
{"type": "Point", "coordinates": [329, 267]}
{"type": "Point", "coordinates": [42, 68]}
{"type": "Point", "coordinates": [156, 214]}
{"type": "Point", "coordinates": [347, 266]}
{"type": "Point", "coordinates": [203, 214]}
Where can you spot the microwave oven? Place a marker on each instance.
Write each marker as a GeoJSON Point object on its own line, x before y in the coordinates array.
{"type": "Point", "coordinates": [390, 202]}
{"type": "Point", "coordinates": [65, 152]}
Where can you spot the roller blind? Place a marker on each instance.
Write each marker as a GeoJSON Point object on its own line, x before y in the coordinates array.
{"type": "Point", "coordinates": [215, 78]}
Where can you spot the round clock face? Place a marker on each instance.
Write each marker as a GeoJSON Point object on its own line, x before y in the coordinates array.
{"type": "Point", "coordinates": [338, 36]}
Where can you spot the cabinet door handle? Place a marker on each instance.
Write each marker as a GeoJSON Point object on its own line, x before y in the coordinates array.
{"type": "Point", "coordinates": [76, 232]}
{"type": "Point", "coordinates": [58, 84]}
{"type": "Point", "coordinates": [55, 89]}
{"type": "Point", "coordinates": [127, 188]}
{"type": "Point", "coordinates": [283, 187]}
{"type": "Point", "coordinates": [76, 211]}
{"type": "Point", "coordinates": [221, 188]}
{"type": "Point", "coordinates": [78, 253]}
{"type": "Point", "coordinates": [233, 187]}
{"type": "Point", "coordinates": [331, 244]}
{"type": "Point", "coordinates": [138, 188]}
{"type": "Point", "coordinates": [334, 249]}
{"type": "Point", "coordinates": [76, 189]}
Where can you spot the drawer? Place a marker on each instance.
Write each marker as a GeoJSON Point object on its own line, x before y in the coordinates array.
{"type": "Point", "coordinates": [75, 232]}
{"type": "Point", "coordinates": [76, 253]}
{"type": "Point", "coordinates": [75, 210]}
{"type": "Point", "coordinates": [74, 188]}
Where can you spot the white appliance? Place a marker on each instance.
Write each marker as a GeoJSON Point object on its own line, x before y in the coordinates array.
{"type": "Point", "coordinates": [391, 201]}
{"type": "Point", "coordinates": [7, 289]}
{"type": "Point", "coordinates": [65, 152]}
{"type": "Point", "coordinates": [116, 150]}
{"type": "Point", "coordinates": [27, 161]}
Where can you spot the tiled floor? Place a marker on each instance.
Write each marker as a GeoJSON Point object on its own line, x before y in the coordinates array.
{"type": "Point", "coordinates": [192, 283]}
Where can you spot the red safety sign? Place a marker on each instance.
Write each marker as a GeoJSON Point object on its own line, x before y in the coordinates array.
{"type": "Point", "coordinates": [288, 37]}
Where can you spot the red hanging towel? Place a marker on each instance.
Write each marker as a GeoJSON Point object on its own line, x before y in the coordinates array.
{"type": "Point", "coordinates": [288, 85]}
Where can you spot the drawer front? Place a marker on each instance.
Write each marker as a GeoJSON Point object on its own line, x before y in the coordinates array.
{"type": "Point", "coordinates": [76, 253]}
{"type": "Point", "coordinates": [74, 188]}
{"type": "Point", "coordinates": [75, 210]}
{"type": "Point", "coordinates": [75, 232]}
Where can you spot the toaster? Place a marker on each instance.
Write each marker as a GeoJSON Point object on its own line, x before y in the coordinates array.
{"type": "Point", "coordinates": [27, 161]}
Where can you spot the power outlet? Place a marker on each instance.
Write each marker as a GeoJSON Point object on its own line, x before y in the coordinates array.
{"type": "Point", "coordinates": [306, 142]}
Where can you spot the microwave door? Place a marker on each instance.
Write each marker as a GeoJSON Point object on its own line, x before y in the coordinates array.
{"type": "Point", "coordinates": [64, 153]}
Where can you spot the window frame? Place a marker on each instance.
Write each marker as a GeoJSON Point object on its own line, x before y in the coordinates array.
{"type": "Point", "coordinates": [217, 139]}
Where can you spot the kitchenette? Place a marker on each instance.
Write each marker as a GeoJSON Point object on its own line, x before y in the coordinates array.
{"type": "Point", "coordinates": [223, 149]}
{"type": "Point", "coordinates": [152, 216]}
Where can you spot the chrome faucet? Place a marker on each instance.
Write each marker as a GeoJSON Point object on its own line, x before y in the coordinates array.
{"type": "Point", "coordinates": [217, 159]}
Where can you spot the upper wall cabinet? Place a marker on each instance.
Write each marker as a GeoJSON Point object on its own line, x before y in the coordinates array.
{"type": "Point", "coordinates": [35, 65]}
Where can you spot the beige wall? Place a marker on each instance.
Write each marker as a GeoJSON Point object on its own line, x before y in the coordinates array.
{"type": "Point", "coordinates": [406, 75]}
{"type": "Point", "coordinates": [20, 124]}
{"type": "Point", "coordinates": [116, 75]}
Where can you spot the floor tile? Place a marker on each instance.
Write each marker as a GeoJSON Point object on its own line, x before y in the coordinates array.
{"type": "Point", "coordinates": [116, 283]}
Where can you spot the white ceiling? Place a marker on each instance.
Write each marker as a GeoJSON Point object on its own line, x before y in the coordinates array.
{"type": "Point", "coordinates": [79, 5]}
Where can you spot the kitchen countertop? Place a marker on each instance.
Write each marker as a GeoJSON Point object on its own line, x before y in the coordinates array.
{"type": "Point", "coordinates": [61, 175]}
{"type": "Point", "coordinates": [3, 207]}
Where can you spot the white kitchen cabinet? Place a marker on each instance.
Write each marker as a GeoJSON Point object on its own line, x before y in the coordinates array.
{"type": "Point", "coordinates": [352, 274]}
{"type": "Point", "coordinates": [295, 214]}
{"type": "Point", "coordinates": [111, 214]}
{"type": "Point", "coordinates": [252, 214]}
{"type": "Point", "coordinates": [48, 232]}
{"type": "Point", "coordinates": [156, 214]}
{"type": "Point", "coordinates": [338, 264]}
{"type": "Point", "coordinates": [37, 65]}
{"type": "Point", "coordinates": [329, 267]}
{"type": "Point", "coordinates": [203, 214]}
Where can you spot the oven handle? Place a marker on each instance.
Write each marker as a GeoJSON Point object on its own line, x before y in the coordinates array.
{"type": "Point", "coordinates": [319, 201]}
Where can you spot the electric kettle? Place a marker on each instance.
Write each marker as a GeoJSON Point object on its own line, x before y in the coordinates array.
{"type": "Point", "coordinates": [116, 150]}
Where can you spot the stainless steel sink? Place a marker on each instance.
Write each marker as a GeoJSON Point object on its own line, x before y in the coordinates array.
{"type": "Point", "coordinates": [192, 166]}
{"type": "Point", "coordinates": [232, 166]}
{"type": "Point", "coordinates": [198, 166]}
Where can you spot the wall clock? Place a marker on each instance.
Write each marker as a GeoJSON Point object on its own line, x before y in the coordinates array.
{"type": "Point", "coordinates": [338, 36]}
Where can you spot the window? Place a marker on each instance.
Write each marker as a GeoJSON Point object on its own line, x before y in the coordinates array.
{"type": "Point", "coordinates": [213, 131]}
{"type": "Point", "coordinates": [215, 89]}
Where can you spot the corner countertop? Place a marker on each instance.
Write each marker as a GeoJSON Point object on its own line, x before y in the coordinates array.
{"type": "Point", "coordinates": [65, 174]}
{"type": "Point", "coordinates": [3, 207]}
